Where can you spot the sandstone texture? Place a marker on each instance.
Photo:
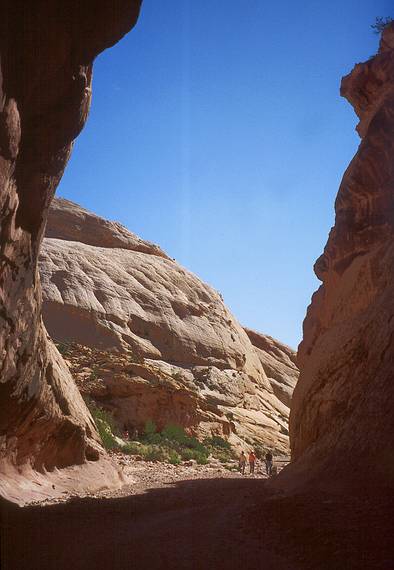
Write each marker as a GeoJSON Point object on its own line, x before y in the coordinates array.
{"type": "Point", "coordinates": [152, 341]}
{"type": "Point", "coordinates": [47, 49]}
{"type": "Point", "coordinates": [342, 412]}
{"type": "Point", "coordinates": [279, 363]}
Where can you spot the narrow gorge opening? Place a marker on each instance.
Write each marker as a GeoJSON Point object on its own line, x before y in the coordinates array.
{"type": "Point", "coordinates": [137, 417]}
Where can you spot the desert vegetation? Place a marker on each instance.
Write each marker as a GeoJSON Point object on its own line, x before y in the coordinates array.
{"type": "Point", "coordinates": [171, 445]}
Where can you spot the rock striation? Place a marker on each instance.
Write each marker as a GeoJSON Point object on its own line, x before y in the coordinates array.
{"type": "Point", "coordinates": [47, 49]}
{"type": "Point", "coordinates": [342, 420]}
{"type": "Point", "coordinates": [162, 343]}
{"type": "Point", "coordinates": [279, 363]}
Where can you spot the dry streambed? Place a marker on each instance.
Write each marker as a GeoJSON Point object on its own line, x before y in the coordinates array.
{"type": "Point", "coordinates": [141, 476]}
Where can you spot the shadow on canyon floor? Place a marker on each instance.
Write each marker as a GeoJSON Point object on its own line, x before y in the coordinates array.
{"type": "Point", "coordinates": [201, 524]}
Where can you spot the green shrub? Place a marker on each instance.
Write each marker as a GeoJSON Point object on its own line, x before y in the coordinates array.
{"type": "Point", "coordinates": [107, 437]}
{"type": "Point", "coordinates": [103, 415]}
{"type": "Point", "coordinates": [133, 448]}
{"type": "Point", "coordinates": [223, 456]}
{"type": "Point", "coordinates": [153, 438]}
{"type": "Point", "coordinates": [187, 454]}
{"type": "Point", "coordinates": [174, 458]}
{"type": "Point", "coordinates": [177, 439]}
{"type": "Point", "coordinates": [105, 427]}
{"type": "Point", "coordinates": [150, 428]}
{"type": "Point", "coordinates": [201, 458]}
{"type": "Point", "coordinates": [219, 448]}
{"type": "Point", "coordinates": [219, 442]}
{"type": "Point", "coordinates": [154, 453]}
{"type": "Point", "coordinates": [193, 443]}
{"type": "Point", "coordinates": [105, 424]}
{"type": "Point", "coordinates": [174, 445]}
{"type": "Point", "coordinates": [174, 432]}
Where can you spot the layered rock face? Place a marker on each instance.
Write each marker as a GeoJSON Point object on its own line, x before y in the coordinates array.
{"type": "Point", "coordinates": [185, 358]}
{"type": "Point", "coordinates": [279, 363]}
{"type": "Point", "coordinates": [47, 49]}
{"type": "Point", "coordinates": [342, 421]}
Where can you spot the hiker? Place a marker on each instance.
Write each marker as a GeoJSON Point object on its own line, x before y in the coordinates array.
{"type": "Point", "coordinates": [242, 462]}
{"type": "Point", "coordinates": [268, 463]}
{"type": "Point", "coordinates": [252, 461]}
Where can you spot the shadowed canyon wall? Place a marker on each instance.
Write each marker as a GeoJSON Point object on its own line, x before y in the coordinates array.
{"type": "Point", "coordinates": [342, 419]}
{"type": "Point", "coordinates": [47, 50]}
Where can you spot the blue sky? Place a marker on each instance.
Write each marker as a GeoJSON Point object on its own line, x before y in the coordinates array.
{"type": "Point", "coordinates": [217, 131]}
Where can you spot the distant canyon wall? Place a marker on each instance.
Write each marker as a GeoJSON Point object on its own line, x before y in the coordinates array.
{"type": "Point", "coordinates": [342, 419]}
{"type": "Point", "coordinates": [165, 346]}
{"type": "Point", "coordinates": [47, 49]}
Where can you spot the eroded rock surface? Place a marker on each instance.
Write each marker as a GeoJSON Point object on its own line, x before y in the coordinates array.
{"type": "Point", "coordinates": [47, 49]}
{"type": "Point", "coordinates": [181, 356]}
{"type": "Point", "coordinates": [279, 362]}
{"type": "Point", "coordinates": [342, 416]}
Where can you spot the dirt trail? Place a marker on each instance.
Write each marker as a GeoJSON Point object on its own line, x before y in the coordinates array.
{"type": "Point", "coordinates": [199, 524]}
{"type": "Point", "coordinates": [194, 524]}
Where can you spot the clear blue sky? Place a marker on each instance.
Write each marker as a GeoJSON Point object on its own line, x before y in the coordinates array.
{"type": "Point", "coordinates": [218, 132]}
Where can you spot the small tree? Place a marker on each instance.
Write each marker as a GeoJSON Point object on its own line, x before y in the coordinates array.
{"type": "Point", "coordinates": [381, 23]}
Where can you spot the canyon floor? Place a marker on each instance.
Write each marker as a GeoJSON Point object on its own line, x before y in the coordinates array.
{"type": "Point", "coordinates": [199, 517]}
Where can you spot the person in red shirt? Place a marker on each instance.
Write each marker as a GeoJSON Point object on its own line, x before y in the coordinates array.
{"type": "Point", "coordinates": [252, 461]}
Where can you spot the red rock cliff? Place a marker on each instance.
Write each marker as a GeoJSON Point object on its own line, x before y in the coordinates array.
{"type": "Point", "coordinates": [342, 421]}
{"type": "Point", "coordinates": [47, 49]}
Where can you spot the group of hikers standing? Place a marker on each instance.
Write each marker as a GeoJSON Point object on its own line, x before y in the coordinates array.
{"type": "Point", "coordinates": [269, 462]}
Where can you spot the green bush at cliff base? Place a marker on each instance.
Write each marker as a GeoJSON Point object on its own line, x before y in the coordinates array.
{"type": "Point", "coordinates": [105, 425]}
{"type": "Point", "coordinates": [219, 448]}
{"type": "Point", "coordinates": [201, 458]}
{"type": "Point", "coordinates": [150, 428]}
{"type": "Point", "coordinates": [217, 442]}
{"type": "Point", "coordinates": [171, 445]}
{"type": "Point", "coordinates": [134, 448]}
{"type": "Point", "coordinates": [174, 458]}
{"type": "Point", "coordinates": [155, 453]}
{"type": "Point", "coordinates": [173, 432]}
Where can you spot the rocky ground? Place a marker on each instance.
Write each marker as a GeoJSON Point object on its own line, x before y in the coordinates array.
{"type": "Point", "coordinates": [199, 518]}
{"type": "Point", "coordinates": [141, 476]}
